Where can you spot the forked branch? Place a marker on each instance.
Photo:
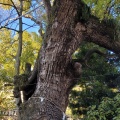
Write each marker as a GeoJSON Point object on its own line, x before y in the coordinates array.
{"type": "Point", "coordinates": [92, 51]}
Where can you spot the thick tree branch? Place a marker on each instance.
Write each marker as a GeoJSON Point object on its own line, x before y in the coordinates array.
{"type": "Point", "coordinates": [32, 18]}
{"type": "Point", "coordinates": [100, 34]}
{"type": "Point", "coordinates": [47, 6]}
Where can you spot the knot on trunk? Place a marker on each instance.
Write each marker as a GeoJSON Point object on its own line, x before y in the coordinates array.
{"type": "Point", "coordinates": [74, 71]}
{"type": "Point", "coordinates": [77, 67]}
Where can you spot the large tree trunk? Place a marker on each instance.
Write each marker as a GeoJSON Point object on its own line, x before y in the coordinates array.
{"type": "Point", "coordinates": [57, 74]}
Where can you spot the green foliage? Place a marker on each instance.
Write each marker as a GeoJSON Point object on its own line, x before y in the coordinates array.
{"type": "Point", "coordinates": [113, 28]}
{"type": "Point", "coordinates": [8, 46]}
{"type": "Point", "coordinates": [83, 13]}
{"type": "Point", "coordinates": [107, 11]}
{"type": "Point", "coordinates": [108, 109]}
{"type": "Point", "coordinates": [7, 4]}
{"type": "Point", "coordinates": [104, 8]}
{"type": "Point", "coordinates": [93, 86]}
{"type": "Point", "coordinates": [21, 80]}
{"type": "Point", "coordinates": [31, 46]}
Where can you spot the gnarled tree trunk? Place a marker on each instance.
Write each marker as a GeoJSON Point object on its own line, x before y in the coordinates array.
{"type": "Point", "coordinates": [57, 74]}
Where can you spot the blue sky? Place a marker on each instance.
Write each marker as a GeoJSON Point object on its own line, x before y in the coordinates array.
{"type": "Point", "coordinates": [6, 15]}
{"type": "Point", "coordinates": [30, 22]}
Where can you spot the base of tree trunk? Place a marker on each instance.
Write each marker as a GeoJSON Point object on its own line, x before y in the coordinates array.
{"type": "Point", "coordinates": [40, 109]}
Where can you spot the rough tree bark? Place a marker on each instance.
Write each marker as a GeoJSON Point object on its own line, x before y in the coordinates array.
{"type": "Point", "coordinates": [56, 73]}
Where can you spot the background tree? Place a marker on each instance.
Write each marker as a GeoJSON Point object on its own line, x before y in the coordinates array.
{"type": "Point", "coordinates": [14, 21]}
{"type": "Point", "coordinates": [7, 71]}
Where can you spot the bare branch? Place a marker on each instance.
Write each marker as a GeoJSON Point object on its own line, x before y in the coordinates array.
{"type": "Point", "coordinates": [24, 16]}
{"type": "Point", "coordinates": [27, 24]}
{"type": "Point", "coordinates": [8, 28]}
{"type": "Point", "coordinates": [92, 51]}
{"type": "Point", "coordinates": [8, 18]}
{"type": "Point", "coordinates": [15, 7]}
{"type": "Point", "coordinates": [29, 27]}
